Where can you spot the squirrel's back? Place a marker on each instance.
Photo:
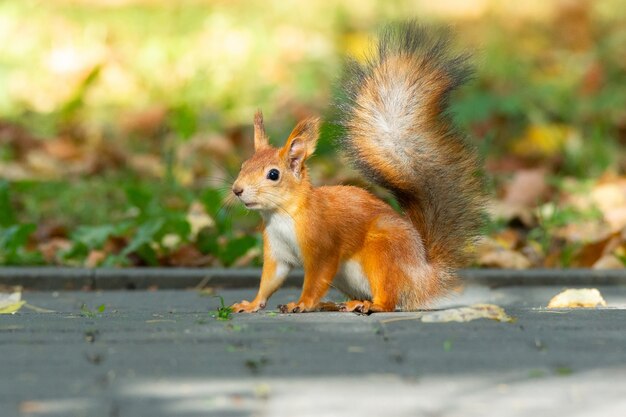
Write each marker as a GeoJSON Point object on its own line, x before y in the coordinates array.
{"type": "Point", "coordinates": [399, 134]}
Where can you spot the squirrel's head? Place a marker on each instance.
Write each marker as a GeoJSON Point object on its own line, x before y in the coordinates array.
{"type": "Point", "coordinates": [274, 177]}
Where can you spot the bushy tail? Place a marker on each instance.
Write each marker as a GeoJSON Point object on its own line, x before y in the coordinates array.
{"type": "Point", "coordinates": [399, 134]}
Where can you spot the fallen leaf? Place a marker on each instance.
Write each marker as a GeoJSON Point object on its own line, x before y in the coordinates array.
{"type": "Point", "coordinates": [43, 165]}
{"type": "Point", "coordinates": [609, 196]}
{"type": "Point", "coordinates": [147, 164]}
{"type": "Point", "coordinates": [527, 188]}
{"type": "Point", "coordinates": [577, 298]}
{"type": "Point", "coordinates": [145, 122]}
{"type": "Point", "coordinates": [464, 314]}
{"type": "Point", "coordinates": [11, 302]}
{"type": "Point", "coordinates": [589, 254]}
{"type": "Point", "coordinates": [608, 261]}
{"type": "Point", "coordinates": [491, 254]}
{"type": "Point", "coordinates": [507, 238]}
{"type": "Point", "coordinates": [62, 148]}
{"type": "Point", "coordinates": [95, 258]}
{"type": "Point", "coordinates": [543, 140]}
{"type": "Point", "coordinates": [616, 218]}
{"type": "Point", "coordinates": [585, 232]}
{"type": "Point", "coordinates": [52, 247]}
{"type": "Point", "coordinates": [509, 212]}
{"type": "Point", "coordinates": [189, 256]}
{"type": "Point", "coordinates": [18, 139]}
{"type": "Point", "coordinates": [573, 24]}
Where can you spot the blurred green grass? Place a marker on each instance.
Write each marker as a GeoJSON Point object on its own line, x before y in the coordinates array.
{"type": "Point", "coordinates": [158, 97]}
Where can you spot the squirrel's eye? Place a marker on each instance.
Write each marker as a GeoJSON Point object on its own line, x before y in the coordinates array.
{"type": "Point", "coordinates": [273, 174]}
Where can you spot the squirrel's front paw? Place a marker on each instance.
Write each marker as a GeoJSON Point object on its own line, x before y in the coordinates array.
{"type": "Point", "coordinates": [247, 307]}
{"type": "Point", "coordinates": [295, 308]}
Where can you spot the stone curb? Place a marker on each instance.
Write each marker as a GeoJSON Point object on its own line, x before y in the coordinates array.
{"type": "Point", "coordinates": [60, 278]}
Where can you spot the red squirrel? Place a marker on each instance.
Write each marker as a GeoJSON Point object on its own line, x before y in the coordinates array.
{"type": "Point", "coordinates": [398, 134]}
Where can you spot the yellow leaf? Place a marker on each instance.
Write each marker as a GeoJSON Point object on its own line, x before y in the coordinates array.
{"type": "Point", "coordinates": [577, 298]}
{"type": "Point", "coordinates": [10, 303]}
{"type": "Point", "coordinates": [542, 140]}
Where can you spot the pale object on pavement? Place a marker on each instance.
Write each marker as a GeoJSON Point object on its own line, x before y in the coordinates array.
{"type": "Point", "coordinates": [577, 298]}
{"type": "Point", "coordinates": [463, 314]}
{"type": "Point", "coordinates": [11, 302]}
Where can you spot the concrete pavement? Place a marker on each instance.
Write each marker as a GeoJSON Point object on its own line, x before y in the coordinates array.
{"type": "Point", "coordinates": [161, 353]}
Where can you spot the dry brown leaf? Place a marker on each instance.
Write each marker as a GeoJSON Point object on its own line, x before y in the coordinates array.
{"type": "Point", "coordinates": [609, 196]}
{"type": "Point", "coordinates": [507, 238]}
{"type": "Point", "coordinates": [506, 259]}
{"type": "Point", "coordinates": [103, 155]}
{"type": "Point", "coordinates": [585, 232]}
{"type": "Point", "coordinates": [48, 229]}
{"type": "Point", "coordinates": [95, 258]}
{"type": "Point", "coordinates": [18, 139]}
{"type": "Point", "coordinates": [146, 122]}
{"type": "Point", "coordinates": [147, 164]}
{"type": "Point", "coordinates": [464, 314]}
{"type": "Point", "coordinates": [590, 253]}
{"type": "Point", "coordinates": [491, 254]}
{"type": "Point", "coordinates": [616, 218]}
{"type": "Point", "coordinates": [63, 148]}
{"type": "Point", "coordinates": [608, 261]}
{"type": "Point", "coordinates": [509, 212]}
{"type": "Point", "coordinates": [43, 165]}
{"type": "Point", "coordinates": [14, 171]}
{"type": "Point", "coordinates": [188, 255]}
{"type": "Point", "coordinates": [573, 24]}
{"type": "Point", "coordinates": [527, 188]}
{"type": "Point", "coordinates": [115, 244]}
{"type": "Point", "coordinates": [50, 248]}
{"type": "Point", "coordinates": [577, 298]}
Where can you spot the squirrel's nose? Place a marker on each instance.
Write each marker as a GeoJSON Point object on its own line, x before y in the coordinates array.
{"type": "Point", "coordinates": [237, 190]}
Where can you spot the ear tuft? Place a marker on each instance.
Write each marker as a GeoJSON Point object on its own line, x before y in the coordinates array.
{"type": "Point", "coordinates": [301, 144]}
{"type": "Point", "coordinates": [260, 137]}
{"type": "Point", "coordinates": [307, 130]}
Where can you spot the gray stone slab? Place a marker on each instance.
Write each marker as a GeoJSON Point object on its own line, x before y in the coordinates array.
{"type": "Point", "coordinates": [54, 278]}
{"type": "Point", "coordinates": [161, 353]}
{"type": "Point", "coordinates": [47, 278]}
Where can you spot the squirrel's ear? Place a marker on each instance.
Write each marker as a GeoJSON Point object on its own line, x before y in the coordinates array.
{"type": "Point", "coordinates": [300, 144]}
{"type": "Point", "coordinates": [260, 137]}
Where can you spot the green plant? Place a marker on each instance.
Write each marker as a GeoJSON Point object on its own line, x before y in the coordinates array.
{"type": "Point", "coordinates": [223, 312]}
{"type": "Point", "coordinates": [87, 312]}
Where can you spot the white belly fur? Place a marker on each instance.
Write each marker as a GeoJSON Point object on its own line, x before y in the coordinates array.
{"type": "Point", "coordinates": [352, 281]}
{"type": "Point", "coordinates": [280, 230]}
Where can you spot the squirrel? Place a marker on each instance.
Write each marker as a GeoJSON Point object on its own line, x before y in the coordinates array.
{"type": "Point", "coordinates": [398, 133]}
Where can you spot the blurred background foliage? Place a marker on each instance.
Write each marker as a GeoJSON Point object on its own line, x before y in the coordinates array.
{"type": "Point", "coordinates": [123, 122]}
